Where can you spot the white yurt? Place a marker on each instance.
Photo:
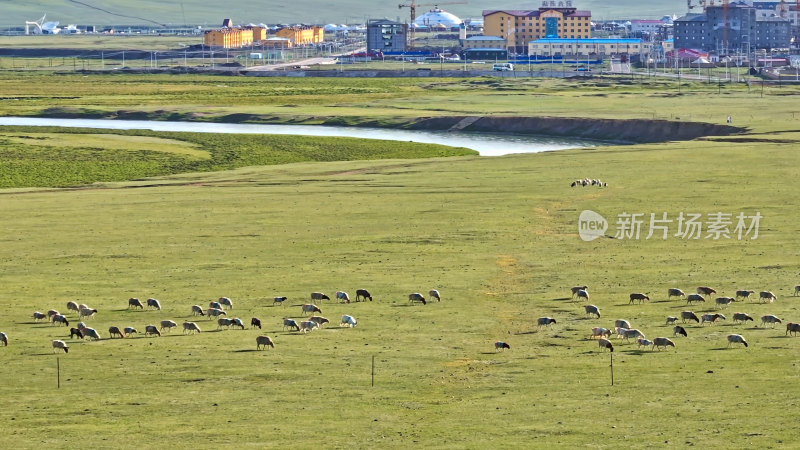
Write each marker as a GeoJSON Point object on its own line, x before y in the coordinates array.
{"type": "Point", "coordinates": [437, 16]}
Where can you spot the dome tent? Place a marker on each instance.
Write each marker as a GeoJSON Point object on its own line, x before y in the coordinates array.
{"type": "Point", "coordinates": [437, 16]}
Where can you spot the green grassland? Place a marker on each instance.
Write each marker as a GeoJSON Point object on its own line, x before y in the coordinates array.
{"type": "Point", "coordinates": [497, 236]}
{"type": "Point", "coordinates": [151, 12]}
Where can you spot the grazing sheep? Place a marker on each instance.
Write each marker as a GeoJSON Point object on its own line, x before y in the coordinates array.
{"type": "Point", "coordinates": [583, 294]}
{"type": "Point", "coordinates": [114, 331]}
{"type": "Point", "coordinates": [319, 320]}
{"type": "Point", "coordinates": [225, 301]}
{"type": "Point", "coordinates": [224, 322]}
{"type": "Point", "coordinates": [81, 326]}
{"type": "Point", "coordinates": [264, 341]}
{"type": "Point", "coordinates": [634, 333]}
{"type": "Point", "coordinates": [591, 309]}
{"type": "Point", "coordinates": [134, 302]}
{"type": "Point", "coordinates": [433, 293]}
{"type": "Point", "coordinates": [168, 324]}
{"type": "Point", "coordinates": [348, 321]}
{"type": "Point", "coordinates": [215, 305]}
{"type": "Point", "coordinates": [744, 294]}
{"type": "Point", "coordinates": [677, 329]}
{"type": "Point", "coordinates": [663, 342]}
{"type": "Point", "coordinates": [416, 297]}
{"type": "Point", "coordinates": [310, 308]}
{"type": "Point", "coordinates": [675, 292]}
{"type": "Point", "coordinates": [319, 296]}
{"type": "Point", "coordinates": [75, 332]}
{"type": "Point", "coordinates": [278, 300]}
{"type": "Point", "coordinates": [644, 342]}
{"type": "Point", "coordinates": [793, 328]}
{"type": "Point", "coordinates": [72, 306]}
{"type": "Point", "coordinates": [59, 318]}
{"type": "Point", "coordinates": [363, 293]}
{"type": "Point", "coordinates": [723, 301]}
{"type": "Point", "coordinates": [91, 333]}
{"type": "Point", "coordinates": [153, 303]}
{"type": "Point", "coordinates": [600, 331]}
{"type": "Point", "coordinates": [129, 331]}
{"type": "Point", "coordinates": [342, 297]}
{"type": "Point", "coordinates": [151, 329]}
{"type": "Point", "coordinates": [545, 321]}
{"type": "Point", "coordinates": [621, 323]}
{"type": "Point", "coordinates": [694, 298]}
{"type": "Point", "coordinates": [769, 318]}
{"type": "Point", "coordinates": [797, 290]}
{"type": "Point", "coordinates": [4, 339]}
{"type": "Point", "coordinates": [87, 312]}
{"type": "Point", "coordinates": [710, 318]}
{"type": "Point", "coordinates": [51, 313]}
{"type": "Point", "coordinates": [605, 343]}
{"type": "Point", "coordinates": [705, 290]}
{"type": "Point", "coordinates": [639, 296]}
{"type": "Point", "coordinates": [57, 344]}
{"type": "Point", "coordinates": [688, 315]}
{"type": "Point", "coordinates": [620, 331]}
{"type": "Point", "coordinates": [576, 289]}
{"type": "Point", "coordinates": [290, 323]}
{"type": "Point", "coordinates": [307, 325]}
{"type": "Point", "coordinates": [37, 316]}
{"type": "Point", "coordinates": [191, 327]}
{"type": "Point", "coordinates": [671, 320]}
{"type": "Point", "coordinates": [741, 317]}
{"type": "Point", "coordinates": [197, 310]}
{"type": "Point", "coordinates": [736, 339]}
{"type": "Point", "coordinates": [215, 312]}
{"type": "Point", "coordinates": [501, 346]}
{"type": "Point", "coordinates": [255, 322]}
{"type": "Point", "coordinates": [767, 296]}
{"type": "Point", "coordinates": [237, 322]}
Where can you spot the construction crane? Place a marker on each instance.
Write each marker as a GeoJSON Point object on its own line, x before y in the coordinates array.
{"type": "Point", "coordinates": [413, 8]}
{"type": "Point", "coordinates": [37, 23]}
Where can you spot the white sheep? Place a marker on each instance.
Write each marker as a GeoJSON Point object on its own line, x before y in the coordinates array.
{"type": "Point", "coordinates": [72, 306]}
{"type": "Point", "coordinates": [87, 312]}
{"type": "Point", "coordinates": [767, 296]}
{"type": "Point", "coordinates": [129, 331]}
{"type": "Point", "coordinates": [151, 329]}
{"type": "Point", "coordinates": [191, 327]}
{"type": "Point", "coordinates": [744, 294]}
{"type": "Point", "coordinates": [168, 324]}
{"type": "Point", "coordinates": [633, 333]}
{"type": "Point", "coordinates": [416, 297]}
{"type": "Point", "coordinates": [264, 341]}
{"type": "Point", "coordinates": [290, 323]}
{"type": "Point", "coordinates": [622, 323]}
{"type": "Point", "coordinates": [576, 289]}
{"type": "Point", "coordinates": [644, 342]}
{"type": "Point", "coordinates": [675, 292]}
{"type": "Point", "coordinates": [605, 343]}
{"type": "Point", "coordinates": [433, 293]}
{"type": "Point", "coordinates": [37, 316]}
{"type": "Point", "coordinates": [134, 302]}
{"type": "Point", "coordinates": [4, 339]}
{"type": "Point", "coordinates": [689, 315]}
{"type": "Point", "coordinates": [310, 308]}
{"type": "Point", "coordinates": [736, 339]}
{"type": "Point", "coordinates": [592, 309]}
{"type": "Point", "coordinates": [215, 304]}
{"type": "Point", "coordinates": [600, 331]}
{"type": "Point", "coordinates": [225, 301]}
{"type": "Point", "coordinates": [723, 301]}
{"type": "Point", "coordinates": [583, 294]}
{"type": "Point", "coordinates": [319, 320]}
{"type": "Point", "coordinates": [215, 312]}
{"type": "Point", "coordinates": [307, 325]}
{"type": "Point", "coordinates": [61, 319]}
{"type": "Point", "coordinates": [741, 317]}
{"type": "Point", "coordinates": [769, 318]}
{"type": "Point", "coordinates": [91, 333]}
{"type": "Point", "coordinates": [663, 342]}
{"type": "Point", "coordinates": [671, 320]}
{"type": "Point", "coordinates": [197, 310]}
{"type": "Point", "coordinates": [224, 322]}
{"type": "Point", "coordinates": [58, 344]}
{"type": "Point", "coordinates": [51, 313]}
{"type": "Point", "coordinates": [710, 318]}
{"type": "Point", "coordinates": [348, 321]}
{"type": "Point", "coordinates": [237, 322]}
{"type": "Point", "coordinates": [342, 297]}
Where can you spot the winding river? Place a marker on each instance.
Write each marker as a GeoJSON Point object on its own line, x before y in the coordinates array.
{"type": "Point", "coordinates": [487, 144]}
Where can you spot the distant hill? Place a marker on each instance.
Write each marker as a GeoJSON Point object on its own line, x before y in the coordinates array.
{"type": "Point", "coordinates": [202, 12]}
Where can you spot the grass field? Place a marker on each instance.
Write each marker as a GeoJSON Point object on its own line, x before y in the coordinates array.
{"type": "Point", "coordinates": [497, 236]}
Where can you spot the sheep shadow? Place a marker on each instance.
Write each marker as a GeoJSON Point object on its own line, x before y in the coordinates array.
{"type": "Point", "coordinates": [403, 305]}
{"type": "Point", "coordinates": [563, 299]}
{"type": "Point", "coordinates": [246, 350]}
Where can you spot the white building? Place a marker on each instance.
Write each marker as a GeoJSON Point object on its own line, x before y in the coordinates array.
{"type": "Point", "coordinates": [435, 17]}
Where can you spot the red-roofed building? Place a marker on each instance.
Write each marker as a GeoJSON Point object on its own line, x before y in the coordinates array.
{"type": "Point", "coordinates": [554, 19]}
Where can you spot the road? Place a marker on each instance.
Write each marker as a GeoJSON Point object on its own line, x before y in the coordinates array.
{"type": "Point", "coordinates": [294, 64]}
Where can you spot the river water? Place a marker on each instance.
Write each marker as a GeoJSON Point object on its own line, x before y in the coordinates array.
{"type": "Point", "coordinates": [487, 144]}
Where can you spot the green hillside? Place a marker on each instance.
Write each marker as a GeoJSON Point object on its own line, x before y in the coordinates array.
{"type": "Point", "coordinates": [116, 12]}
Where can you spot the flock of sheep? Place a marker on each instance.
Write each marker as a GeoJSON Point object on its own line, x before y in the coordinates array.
{"type": "Point", "coordinates": [623, 329]}
{"type": "Point", "coordinates": [216, 309]}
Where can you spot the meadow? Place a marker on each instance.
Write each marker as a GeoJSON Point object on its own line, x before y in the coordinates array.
{"type": "Point", "coordinates": [497, 236]}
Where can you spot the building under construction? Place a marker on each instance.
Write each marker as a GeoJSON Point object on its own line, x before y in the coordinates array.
{"type": "Point", "coordinates": [733, 28]}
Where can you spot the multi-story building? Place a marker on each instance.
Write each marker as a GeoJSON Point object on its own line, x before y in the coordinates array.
{"type": "Point", "coordinates": [484, 42]}
{"type": "Point", "coordinates": [386, 36]}
{"type": "Point", "coordinates": [587, 47]}
{"type": "Point", "coordinates": [732, 28]}
{"type": "Point", "coordinates": [554, 19]}
{"type": "Point", "coordinates": [228, 37]}
{"type": "Point", "coordinates": [302, 35]}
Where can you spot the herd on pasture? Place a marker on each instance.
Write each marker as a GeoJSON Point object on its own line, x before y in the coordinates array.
{"type": "Point", "coordinates": [624, 330]}
{"type": "Point", "coordinates": [216, 309]}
